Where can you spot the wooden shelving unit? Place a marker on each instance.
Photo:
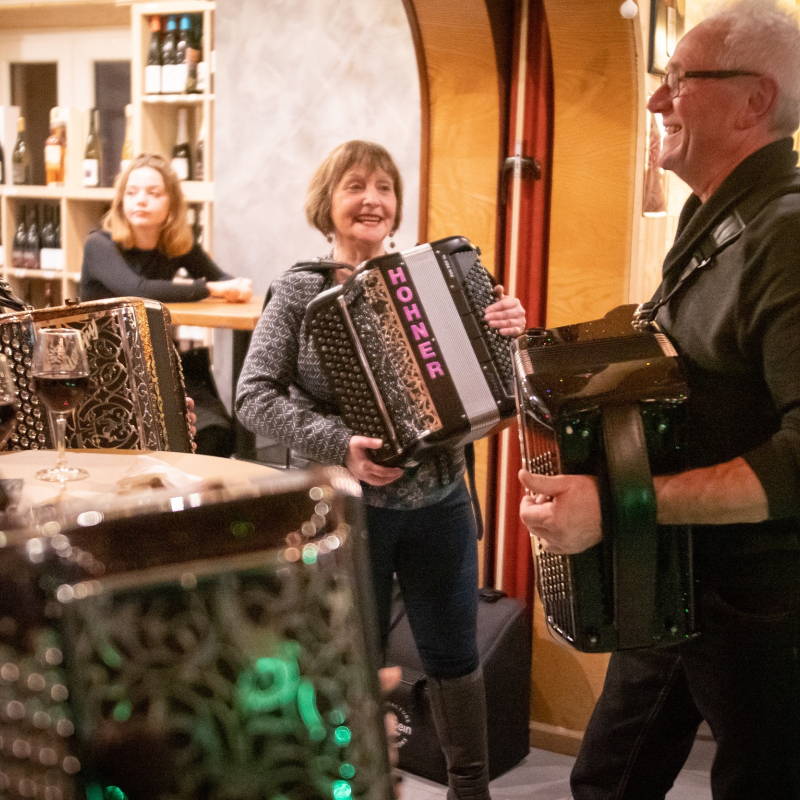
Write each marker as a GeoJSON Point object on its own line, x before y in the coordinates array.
{"type": "Point", "coordinates": [154, 130]}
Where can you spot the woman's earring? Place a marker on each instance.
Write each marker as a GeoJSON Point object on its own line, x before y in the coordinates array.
{"type": "Point", "coordinates": [391, 240]}
{"type": "Point", "coordinates": [329, 237]}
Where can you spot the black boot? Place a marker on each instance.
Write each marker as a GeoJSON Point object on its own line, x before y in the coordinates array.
{"type": "Point", "coordinates": [459, 712]}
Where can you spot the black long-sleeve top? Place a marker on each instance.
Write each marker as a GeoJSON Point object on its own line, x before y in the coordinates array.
{"type": "Point", "coordinates": [111, 271]}
{"type": "Point", "coordinates": [736, 324]}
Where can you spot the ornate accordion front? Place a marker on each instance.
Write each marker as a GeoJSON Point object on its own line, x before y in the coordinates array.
{"type": "Point", "coordinates": [408, 353]}
{"type": "Point", "coordinates": [602, 398]}
{"type": "Point", "coordinates": [136, 397]}
{"type": "Point", "coordinates": [211, 646]}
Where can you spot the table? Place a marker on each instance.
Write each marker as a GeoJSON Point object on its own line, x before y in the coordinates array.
{"type": "Point", "coordinates": [107, 467]}
{"type": "Point", "coordinates": [241, 318]}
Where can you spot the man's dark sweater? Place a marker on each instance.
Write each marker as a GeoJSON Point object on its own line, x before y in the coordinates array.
{"type": "Point", "coordinates": [736, 323]}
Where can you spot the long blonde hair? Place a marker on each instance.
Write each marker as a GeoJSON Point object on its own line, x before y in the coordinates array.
{"type": "Point", "coordinates": [176, 237]}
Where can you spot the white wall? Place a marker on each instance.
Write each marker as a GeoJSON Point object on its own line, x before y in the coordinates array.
{"type": "Point", "coordinates": [294, 79]}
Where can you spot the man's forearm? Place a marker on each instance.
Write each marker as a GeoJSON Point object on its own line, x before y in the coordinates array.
{"type": "Point", "coordinates": [723, 494]}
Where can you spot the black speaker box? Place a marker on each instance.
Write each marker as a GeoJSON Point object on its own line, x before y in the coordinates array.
{"type": "Point", "coordinates": [504, 648]}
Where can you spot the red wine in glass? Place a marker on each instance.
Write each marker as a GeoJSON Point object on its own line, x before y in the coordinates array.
{"type": "Point", "coordinates": [60, 394]}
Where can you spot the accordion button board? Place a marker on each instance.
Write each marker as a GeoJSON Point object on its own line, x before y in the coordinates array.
{"type": "Point", "coordinates": [408, 354]}
{"type": "Point", "coordinates": [605, 399]}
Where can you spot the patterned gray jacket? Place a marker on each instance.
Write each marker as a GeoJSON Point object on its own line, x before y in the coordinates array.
{"type": "Point", "coordinates": [283, 394]}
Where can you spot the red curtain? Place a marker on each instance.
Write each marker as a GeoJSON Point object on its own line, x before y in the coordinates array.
{"type": "Point", "coordinates": [525, 222]}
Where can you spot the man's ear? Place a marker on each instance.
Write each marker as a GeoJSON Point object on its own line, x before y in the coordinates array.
{"type": "Point", "coordinates": [760, 103]}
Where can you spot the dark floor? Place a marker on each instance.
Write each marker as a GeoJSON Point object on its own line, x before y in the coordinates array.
{"type": "Point", "coordinates": [545, 776]}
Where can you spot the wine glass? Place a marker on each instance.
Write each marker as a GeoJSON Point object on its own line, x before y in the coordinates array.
{"type": "Point", "coordinates": [60, 372]}
{"type": "Point", "coordinates": [8, 402]}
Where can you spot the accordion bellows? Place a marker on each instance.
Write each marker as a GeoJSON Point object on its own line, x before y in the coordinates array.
{"type": "Point", "coordinates": [601, 398]}
{"type": "Point", "coordinates": [136, 398]}
{"type": "Point", "coordinates": [408, 353]}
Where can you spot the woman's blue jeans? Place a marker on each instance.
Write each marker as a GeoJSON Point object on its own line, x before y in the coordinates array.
{"type": "Point", "coordinates": [434, 552]}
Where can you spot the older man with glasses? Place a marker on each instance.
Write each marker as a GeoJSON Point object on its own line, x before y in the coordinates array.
{"type": "Point", "coordinates": [730, 302]}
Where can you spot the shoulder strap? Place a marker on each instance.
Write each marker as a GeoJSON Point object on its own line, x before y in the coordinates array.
{"type": "Point", "coordinates": [321, 265]}
{"type": "Point", "coordinates": [719, 237]}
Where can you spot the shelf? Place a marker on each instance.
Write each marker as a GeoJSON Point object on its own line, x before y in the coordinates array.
{"type": "Point", "coordinates": [175, 99]}
{"type": "Point", "coordinates": [41, 274]}
{"type": "Point", "coordinates": [104, 195]}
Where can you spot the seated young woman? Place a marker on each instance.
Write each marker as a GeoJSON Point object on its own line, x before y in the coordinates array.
{"type": "Point", "coordinates": [146, 239]}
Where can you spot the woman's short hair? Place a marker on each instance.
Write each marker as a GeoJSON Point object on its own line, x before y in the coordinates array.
{"type": "Point", "coordinates": [331, 171]}
{"type": "Point", "coordinates": [176, 237]}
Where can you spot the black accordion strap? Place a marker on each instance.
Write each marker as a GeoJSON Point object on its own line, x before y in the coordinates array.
{"type": "Point", "coordinates": [719, 237]}
{"type": "Point", "coordinates": [469, 457]}
{"type": "Point", "coordinates": [634, 533]}
{"type": "Point", "coordinates": [9, 300]}
{"type": "Point", "coordinates": [322, 265]}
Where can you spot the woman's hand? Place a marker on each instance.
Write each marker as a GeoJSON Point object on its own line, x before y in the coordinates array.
{"type": "Point", "coordinates": [236, 290]}
{"type": "Point", "coordinates": [358, 462]}
{"type": "Point", "coordinates": [507, 314]}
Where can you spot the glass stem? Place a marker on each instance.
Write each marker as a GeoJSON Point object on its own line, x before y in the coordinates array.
{"type": "Point", "coordinates": [61, 436]}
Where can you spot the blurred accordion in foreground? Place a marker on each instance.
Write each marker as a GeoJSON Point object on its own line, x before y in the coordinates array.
{"type": "Point", "coordinates": [408, 353]}
{"type": "Point", "coordinates": [210, 646]}
{"type": "Point", "coordinates": [606, 399]}
{"type": "Point", "coordinates": [136, 398]}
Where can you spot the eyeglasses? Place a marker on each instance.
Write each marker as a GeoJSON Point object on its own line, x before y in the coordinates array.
{"type": "Point", "coordinates": [673, 80]}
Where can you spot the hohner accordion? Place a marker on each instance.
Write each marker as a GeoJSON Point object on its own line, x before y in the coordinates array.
{"type": "Point", "coordinates": [605, 399]}
{"type": "Point", "coordinates": [136, 397]}
{"type": "Point", "coordinates": [408, 353]}
{"type": "Point", "coordinates": [215, 645]}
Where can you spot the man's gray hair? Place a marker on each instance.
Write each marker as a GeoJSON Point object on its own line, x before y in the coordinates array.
{"type": "Point", "coordinates": [763, 36]}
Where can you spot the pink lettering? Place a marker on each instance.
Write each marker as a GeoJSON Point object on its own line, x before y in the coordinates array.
{"type": "Point", "coordinates": [404, 294]}
{"type": "Point", "coordinates": [412, 312]}
{"type": "Point", "coordinates": [434, 369]}
{"type": "Point", "coordinates": [397, 276]}
{"type": "Point", "coordinates": [419, 331]}
{"type": "Point", "coordinates": [426, 350]}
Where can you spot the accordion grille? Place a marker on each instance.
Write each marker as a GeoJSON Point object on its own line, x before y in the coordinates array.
{"type": "Point", "coordinates": [31, 431]}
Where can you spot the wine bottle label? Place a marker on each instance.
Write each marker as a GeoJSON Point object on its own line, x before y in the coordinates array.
{"type": "Point", "coordinates": [52, 258]}
{"type": "Point", "coordinates": [167, 79]}
{"type": "Point", "coordinates": [202, 76]}
{"type": "Point", "coordinates": [18, 259]}
{"type": "Point", "coordinates": [52, 155]}
{"type": "Point", "coordinates": [181, 167]}
{"type": "Point", "coordinates": [180, 75]}
{"type": "Point", "coordinates": [18, 173]}
{"type": "Point", "coordinates": [152, 79]}
{"type": "Point", "coordinates": [91, 172]}
{"type": "Point", "coordinates": [31, 259]}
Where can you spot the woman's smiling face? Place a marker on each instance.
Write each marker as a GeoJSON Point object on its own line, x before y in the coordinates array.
{"type": "Point", "coordinates": [363, 207]}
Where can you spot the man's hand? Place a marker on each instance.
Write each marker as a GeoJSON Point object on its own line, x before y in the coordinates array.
{"type": "Point", "coordinates": [363, 469]}
{"type": "Point", "coordinates": [507, 314]}
{"type": "Point", "coordinates": [562, 511]}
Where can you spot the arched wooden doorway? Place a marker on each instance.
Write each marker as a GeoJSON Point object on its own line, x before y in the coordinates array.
{"type": "Point", "coordinates": [597, 105]}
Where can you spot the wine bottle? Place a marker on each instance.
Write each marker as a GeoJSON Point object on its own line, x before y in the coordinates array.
{"type": "Point", "coordinates": [20, 237]}
{"type": "Point", "coordinates": [55, 147]}
{"type": "Point", "coordinates": [192, 55]}
{"type": "Point", "coordinates": [93, 154]}
{"type": "Point", "coordinates": [21, 157]}
{"type": "Point", "coordinates": [127, 144]}
{"type": "Point", "coordinates": [197, 227]}
{"type": "Point", "coordinates": [181, 152]}
{"type": "Point", "coordinates": [200, 153]}
{"type": "Point", "coordinates": [202, 68]}
{"type": "Point", "coordinates": [32, 243]}
{"type": "Point", "coordinates": [57, 227]}
{"type": "Point", "coordinates": [48, 228]}
{"type": "Point", "coordinates": [152, 72]}
{"type": "Point", "coordinates": [181, 73]}
{"type": "Point", "coordinates": [169, 47]}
